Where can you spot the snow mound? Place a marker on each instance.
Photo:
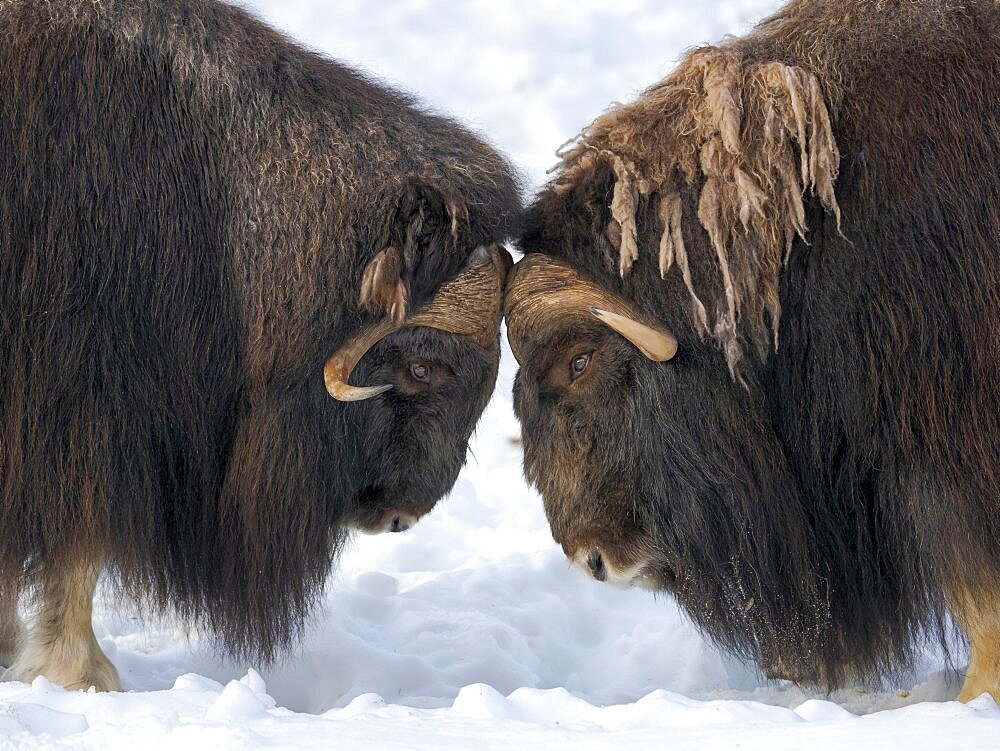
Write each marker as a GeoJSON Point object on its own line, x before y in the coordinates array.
{"type": "Point", "coordinates": [200, 713]}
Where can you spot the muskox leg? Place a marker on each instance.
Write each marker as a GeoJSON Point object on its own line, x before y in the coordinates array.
{"type": "Point", "coordinates": [61, 645]}
{"type": "Point", "coordinates": [11, 628]}
{"type": "Point", "coordinates": [981, 622]}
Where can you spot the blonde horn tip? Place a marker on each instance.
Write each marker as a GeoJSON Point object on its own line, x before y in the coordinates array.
{"type": "Point", "coordinates": [345, 392]}
{"type": "Point", "coordinates": [656, 344]}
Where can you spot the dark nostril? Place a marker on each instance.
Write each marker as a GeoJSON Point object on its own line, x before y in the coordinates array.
{"type": "Point", "coordinates": [595, 561]}
{"type": "Point", "coordinates": [398, 525]}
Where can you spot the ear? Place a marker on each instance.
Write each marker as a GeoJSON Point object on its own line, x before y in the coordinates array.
{"type": "Point", "coordinates": [422, 251]}
{"type": "Point", "coordinates": [382, 287]}
{"type": "Point", "coordinates": [593, 198]}
{"type": "Point", "coordinates": [427, 228]}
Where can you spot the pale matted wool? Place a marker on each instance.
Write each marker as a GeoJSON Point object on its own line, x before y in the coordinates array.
{"type": "Point", "coordinates": [753, 140]}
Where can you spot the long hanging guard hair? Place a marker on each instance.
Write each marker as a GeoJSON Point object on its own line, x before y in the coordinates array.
{"type": "Point", "coordinates": [753, 140]}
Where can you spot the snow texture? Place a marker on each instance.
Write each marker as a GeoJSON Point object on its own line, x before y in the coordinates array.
{"type": "Point", "coordinates": [471, 630]}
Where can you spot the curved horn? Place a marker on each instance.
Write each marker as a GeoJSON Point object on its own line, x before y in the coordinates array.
{"type": "Point", "coordinates": [542, 291]}
{"type": "Point", "coordinates": [656, 344]}
{"type": "Point", "coordinates": [468, 305]}
{"type": "Point", "coordinates": [339, 367]}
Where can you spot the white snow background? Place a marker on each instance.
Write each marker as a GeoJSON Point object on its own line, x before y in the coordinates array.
{"type": "Point", "coordinates": [471, 630]}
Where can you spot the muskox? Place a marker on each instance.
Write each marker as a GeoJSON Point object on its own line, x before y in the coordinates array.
{"type": "Point", "coordinates": [206, 232]}
{"type": "Point", "coordinates": [759, 327]}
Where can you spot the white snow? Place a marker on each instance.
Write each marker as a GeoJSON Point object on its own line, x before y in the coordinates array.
{"type": "Point", "coordinates": [471, 630]}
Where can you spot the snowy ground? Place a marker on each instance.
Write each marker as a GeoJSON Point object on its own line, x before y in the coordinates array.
{"type": "Point", "coordinates": [471, 630]}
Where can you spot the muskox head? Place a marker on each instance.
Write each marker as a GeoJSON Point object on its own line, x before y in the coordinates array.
{"type": "Point", "coordinates": [579, 416]}
{"type": "Point", "coordinates": [644, 316]}
{"type": "Point", "coordinates": [427, 378]}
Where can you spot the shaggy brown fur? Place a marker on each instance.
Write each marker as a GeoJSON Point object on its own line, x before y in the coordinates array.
{"type": "Point", "coordinates": [188, 205]}
{"type": "Point", "coordinates": [821, 197]}
{"type": "Point", "coordinates": [754, 137]}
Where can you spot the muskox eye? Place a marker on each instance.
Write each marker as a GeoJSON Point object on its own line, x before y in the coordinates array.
{"type": "Point", "coordinates": [420, 372]}
{"type": "Point", "coordinates": [578, 365]}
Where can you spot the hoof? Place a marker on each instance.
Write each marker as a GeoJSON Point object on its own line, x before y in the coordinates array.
{"type": "Point", "coordinates": [94, 669]}
{"type": "Point", "coordinates": [973, 689]}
